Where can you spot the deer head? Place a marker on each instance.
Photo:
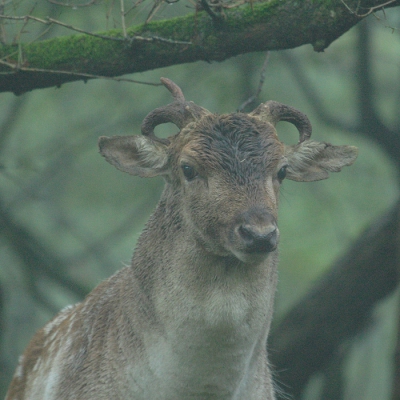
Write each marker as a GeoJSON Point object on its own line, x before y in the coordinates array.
{"type": "Point", "coordinates": [225, 170]}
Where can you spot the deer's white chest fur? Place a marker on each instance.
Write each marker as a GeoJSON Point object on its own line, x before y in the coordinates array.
{"type": "Point", "coordinates": [211, 344]}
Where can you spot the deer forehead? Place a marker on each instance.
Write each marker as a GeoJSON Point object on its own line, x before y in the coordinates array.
{"type": "Point", "coordinates": [233, 143]}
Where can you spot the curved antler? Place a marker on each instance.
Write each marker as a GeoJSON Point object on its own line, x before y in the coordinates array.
{"type": "Point", "coordinates": [180, 112]}
{"type": "Point", "coordinates": [273, 112]}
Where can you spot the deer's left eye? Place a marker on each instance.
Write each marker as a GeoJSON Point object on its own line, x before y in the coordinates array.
{"type": "Point", "coordinates": [189, 172]}
{"type": "Point", "coordinates": [282, 173]}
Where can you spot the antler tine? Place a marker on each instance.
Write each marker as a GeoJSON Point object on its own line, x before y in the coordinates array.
{"type": "Point", "coordinates": [180, 112]}
{"type": "Point", "coordinates": [273, 112]}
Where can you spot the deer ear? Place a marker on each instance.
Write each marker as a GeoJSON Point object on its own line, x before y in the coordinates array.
{"type": "Point", "coordinates": [312, 161]}
{"type": "Point", "coordinates": [136, 155]}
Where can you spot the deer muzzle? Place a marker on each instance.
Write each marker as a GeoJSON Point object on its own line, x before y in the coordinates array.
{"type": "Point", "coordinates": [254, 233]}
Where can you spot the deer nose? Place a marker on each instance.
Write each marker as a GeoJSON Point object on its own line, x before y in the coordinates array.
{"type": "Point", "coordinates": [258, 239]}
{"type": "Point", "coordinates": [257, 231]}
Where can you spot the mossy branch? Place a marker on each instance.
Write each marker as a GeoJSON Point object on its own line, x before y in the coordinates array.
{"type": "Point", "coordinates": [271, 25]}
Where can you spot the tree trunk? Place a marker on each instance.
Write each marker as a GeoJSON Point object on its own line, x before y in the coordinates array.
{"type": "Point", "coordinates": [396, 355]}
{"type": "Point", "coordinates": [338, 307]}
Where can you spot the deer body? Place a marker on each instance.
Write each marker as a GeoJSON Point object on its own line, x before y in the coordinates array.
{"type": "Point", "coordinates": [202, 344]}
{"type": "Point", "coordinates": [189, 319]}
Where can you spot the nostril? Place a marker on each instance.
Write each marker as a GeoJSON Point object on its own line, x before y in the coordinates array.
{"type": "Point", "coordinates": [246, 233]}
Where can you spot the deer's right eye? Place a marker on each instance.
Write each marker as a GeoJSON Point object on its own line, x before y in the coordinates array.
{"type": "Point", "coordinates": [189, 172]}
{"type": "Point", "coordinates": [282, 173]}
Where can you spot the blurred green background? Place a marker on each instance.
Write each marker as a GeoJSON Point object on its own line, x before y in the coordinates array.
{"type": "Point", "coordinates": [68, 216]}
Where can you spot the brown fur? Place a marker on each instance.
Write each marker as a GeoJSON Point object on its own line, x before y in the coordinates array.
{"type": "Point", "coordinates": [189, 319]}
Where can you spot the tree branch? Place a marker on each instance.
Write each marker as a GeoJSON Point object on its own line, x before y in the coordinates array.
{"type": "Point", "coordinates": [271, 25]}
{"type": "Point", "coordinates": [254, 97]}
{"type": "Point", "coordinates": [313, 96]}
{"type": "Point", "coordinates": [339, 306]}
{"type": "Point", "coordinates": [369, 123]}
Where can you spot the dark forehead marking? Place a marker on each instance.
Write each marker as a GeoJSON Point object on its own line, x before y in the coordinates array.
{"type": "Point", "coordinates": [241, 145]}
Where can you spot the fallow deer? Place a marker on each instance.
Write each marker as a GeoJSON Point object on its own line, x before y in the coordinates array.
{"type": "Point", "coordinates": [189, 318]}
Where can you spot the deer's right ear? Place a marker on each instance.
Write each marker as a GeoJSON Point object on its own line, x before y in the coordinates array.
{"type": "Point", "coordinates": [136, 155]}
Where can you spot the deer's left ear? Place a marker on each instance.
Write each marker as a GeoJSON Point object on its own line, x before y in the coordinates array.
{"type": "Point", "coordinates": [312, 161]}
{"type": "Point", "coordinates": [137, 155]}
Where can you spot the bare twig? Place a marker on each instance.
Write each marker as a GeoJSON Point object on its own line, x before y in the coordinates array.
{"type": "Point", "coordinates": [217, 18]}
{"type": "Point", "coordinates": [138, 2]}
{"type": "Point", "coordinates": [154, 9]}
{"type": "Point", "coordinates": [253, 98]}
{"type": "Point", "coordinates": [392, 28]}
{"type": "Point", "coordinates": [3, 32]}
{"type": "Point", "coordinates": [21, 31]}
{"type": "Point", "coordinates": [69, 5]}
{"type": "Point", "coordinates": [16, 67]}
{"type": "Point", "coordinates": [51, 21]}
{"type": "Point", "coordinates": [370, 10]}
{"type": "Point", "coordinates": [123, 18]}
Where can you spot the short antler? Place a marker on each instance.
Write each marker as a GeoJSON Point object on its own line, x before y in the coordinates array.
{"type": "Point", "coordinates": [180, 112]}
{"type": "Point", "coordinates": [273, 112]}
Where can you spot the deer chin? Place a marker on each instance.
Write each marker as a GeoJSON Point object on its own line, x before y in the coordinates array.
{"type": "Point", "coordinates": [252, 258]}
{"type": "Point", "coordinates": [234, 255]}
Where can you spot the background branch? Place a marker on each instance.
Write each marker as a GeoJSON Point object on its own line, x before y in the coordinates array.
{"type": "Point", "coordinates": [338, 307]}
{"type": "Point", "coordinates": [268, 25]}
{"type": "Point", "coordinates": [368, 123]}
{"type": "Point", "coordinates": [254, 97]}
{"type": "Point", "coordinates": [37, 259]}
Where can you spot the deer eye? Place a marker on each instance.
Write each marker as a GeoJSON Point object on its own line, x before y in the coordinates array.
{"type": "Point", "coordinates": [189, 172]}
{"type": "Point", "coordinates": [282, 173]}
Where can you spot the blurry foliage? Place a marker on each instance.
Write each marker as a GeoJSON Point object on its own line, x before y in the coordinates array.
{"type": "Point", "coordinates": [54, 184]}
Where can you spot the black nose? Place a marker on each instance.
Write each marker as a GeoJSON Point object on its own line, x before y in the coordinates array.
{"type": "Point", "coordinates": [259, 238]}
{"type": "Point", "coordinates": [255, 231]}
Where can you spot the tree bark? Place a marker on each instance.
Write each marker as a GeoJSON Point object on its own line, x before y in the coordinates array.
{"type": "Point", "coordinates": [270, 25]}
{"type": "Point", "coordinates": [338, 307]}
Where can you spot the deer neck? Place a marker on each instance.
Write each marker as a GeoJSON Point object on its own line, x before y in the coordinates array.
{"type": "Point", "coordinates": [170, 253]}
{"type": "Point", "coordinates": [213, 312]}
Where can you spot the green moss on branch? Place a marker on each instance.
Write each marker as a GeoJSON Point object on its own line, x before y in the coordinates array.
{"type": "Point", "coordinates": [270, 25]}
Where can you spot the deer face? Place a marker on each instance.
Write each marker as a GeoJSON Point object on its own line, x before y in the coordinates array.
{"type": "Point", "coordinates": [225, 171]}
